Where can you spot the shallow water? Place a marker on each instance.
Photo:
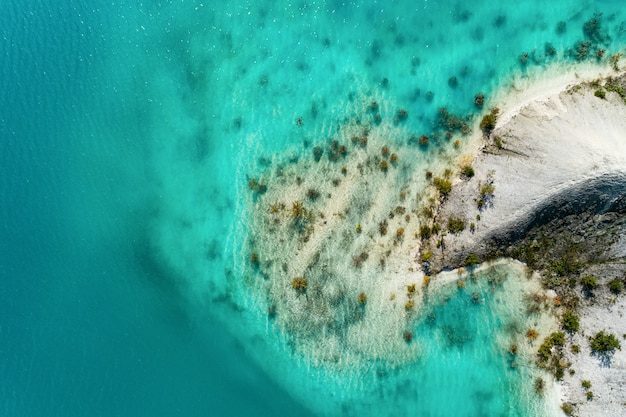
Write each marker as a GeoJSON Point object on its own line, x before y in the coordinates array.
{"type": "Point", "coordinates": [128, 133]}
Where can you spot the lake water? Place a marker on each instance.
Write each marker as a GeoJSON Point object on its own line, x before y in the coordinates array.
{"type": "Point", "coordinates": [128, 133]}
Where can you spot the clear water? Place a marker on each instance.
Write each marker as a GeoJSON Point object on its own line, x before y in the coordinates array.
{"type": "Point", "coordinates": [128, 131]}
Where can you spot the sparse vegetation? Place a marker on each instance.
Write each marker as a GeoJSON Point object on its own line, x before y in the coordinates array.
{"type": "Point", "coordinates": [256, 186]}
{"type": "Point", "coordinates": [600, 93]}
{"type": "Point", "coordinates": [586, 384]}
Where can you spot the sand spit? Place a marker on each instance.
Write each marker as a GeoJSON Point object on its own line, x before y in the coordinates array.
{"type": "Point", "coordinates": [555, 171]}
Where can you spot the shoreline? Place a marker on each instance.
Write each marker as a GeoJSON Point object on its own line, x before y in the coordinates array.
{"type": "Point", "coordinates": [559, 155]}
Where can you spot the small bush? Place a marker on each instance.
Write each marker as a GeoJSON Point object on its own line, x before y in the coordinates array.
{"type": "Point", "coordinates": [487, 190]}
{"type": "Point", "coordinates": [456, 225]}
{"type": "Point", "coordinates": [586, 384]}
{"type": "Point", "coordinates": [299, 284]}
{"type": "Point", "coordinates": [604, 343]}
{"type": "Point", "coordinates": [589, 283]}
{"type": "Point", "coordinates": [570, 322]}
{"type": "Point", "coordinates": [545, 350]}
{"type": "Point", "coordinates": [426, 256]}
{"type": "Point", "coordinates": [443, 185]}
{"type": "Point", "coordinates": [589, 395]}
{"type": "Point", "coordinates": [488, 123]}
{"type": "Point", "coordinates": [425, 231]}
{"type": "Point", "coordinates": [567, 408]}
{"type": "Point", "coordinates": [616, 286]}
{"type": "Point", "coordinates": [600, 93]}
{"type": "Point", "coordinates": [468, 171]}
{"type": "Point", "coordinates": [539, 385]}
{"type": "Point", "coordinates": [575, 349]}
{"type": "Point", "coordinates": [471, 260]}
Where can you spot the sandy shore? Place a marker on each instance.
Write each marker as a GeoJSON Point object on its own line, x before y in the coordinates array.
{"type": "Point", "coordinates": [557, 149]}
{"type": "Point", "coordinates": [553, 143]}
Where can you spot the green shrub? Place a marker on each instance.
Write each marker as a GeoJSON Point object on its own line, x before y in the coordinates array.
{"type": "Point", "coordinates": [616, 286]}
{"type": "Point", "coordinates": [589, 395]}
{"type": "Point", "coordinates": [443, 185]}
{"type": "Point", "coordinates": [456, 225]}
{"type": "Point", "coordinates": [487, 190]}
{"type": "Point", "coordinates": [570, 322]}
{"type": "Point", "coordinates": [545, 350]}
{"type": "Point", "coordinates": [488, 123]}
{"type": "Point", "coordinates": [471, 260]}
{"type": "Point", "coordinates": [604, 343]}
{"type": "Point", "coordinates": [558, 338]}
{"type": "Point", "coordinates": [600, 93]}
{"type": "Point", "coordinates": [589, 283]}
{"type": "Point", "coordinates": [567, 408]}
{"type": "Point", "coordinates": [586, 384]}
{"type": "Point", "coordinates": [425, 231]}
{"type": "Point", "coordinates": [468, 171]}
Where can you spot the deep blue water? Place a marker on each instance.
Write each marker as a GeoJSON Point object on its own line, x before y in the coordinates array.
{"type": "Point", "coordinates": [126, 129]}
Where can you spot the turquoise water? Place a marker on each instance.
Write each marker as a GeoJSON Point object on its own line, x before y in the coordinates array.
{"type": "Point", "coordinates": [128, 132]}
